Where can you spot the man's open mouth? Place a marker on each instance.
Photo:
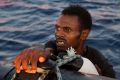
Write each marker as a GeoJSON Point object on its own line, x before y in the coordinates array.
{"type": "Point", "coordinates": [60, 43]}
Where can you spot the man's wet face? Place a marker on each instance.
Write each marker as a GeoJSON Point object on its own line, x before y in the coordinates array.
{"type": "Point", "coordinates": [67, 32]}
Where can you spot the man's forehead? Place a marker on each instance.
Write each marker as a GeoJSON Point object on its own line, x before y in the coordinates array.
{"type": "Point", "coordinates": [68, 20]}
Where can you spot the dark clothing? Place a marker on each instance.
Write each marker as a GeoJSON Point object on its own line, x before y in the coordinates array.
{"type": "Point", "coordinates": [98, 59]}
{"type": "Point", "coordinates": [94, 56]}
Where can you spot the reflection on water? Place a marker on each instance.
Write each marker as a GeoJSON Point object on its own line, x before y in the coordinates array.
{"type": "Point", "coordinates": [25, 22]}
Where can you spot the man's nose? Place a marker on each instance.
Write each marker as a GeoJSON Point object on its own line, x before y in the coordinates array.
{"type": "Point", "coordinates": [59, 33]}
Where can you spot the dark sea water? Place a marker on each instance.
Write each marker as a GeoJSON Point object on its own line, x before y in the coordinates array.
{"type": "Point", "coordinates": [26, 22]}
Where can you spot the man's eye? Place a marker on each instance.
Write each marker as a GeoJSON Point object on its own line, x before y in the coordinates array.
{"type": "Point", "coordinates": [57, 28]}
{"type": "Point", "coordinates": [66, 29]}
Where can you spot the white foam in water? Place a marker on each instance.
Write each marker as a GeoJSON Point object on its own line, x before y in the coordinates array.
{"type": "Point", "coordinates": [12, 29]}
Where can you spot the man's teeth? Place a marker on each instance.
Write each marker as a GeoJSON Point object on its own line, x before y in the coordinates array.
{"type": "Point", "coordinates": [60, 43]}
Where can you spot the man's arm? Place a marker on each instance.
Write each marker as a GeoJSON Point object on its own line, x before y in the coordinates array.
{"type": "Point", "coordinates": [52, 46]}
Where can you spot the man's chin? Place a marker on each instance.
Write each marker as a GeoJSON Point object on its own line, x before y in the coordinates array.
{"type": "Point", "coordinates": [61, 48]}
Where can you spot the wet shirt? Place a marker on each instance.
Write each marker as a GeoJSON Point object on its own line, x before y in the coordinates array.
{"type": "Point", "coordinates": [94, 56]}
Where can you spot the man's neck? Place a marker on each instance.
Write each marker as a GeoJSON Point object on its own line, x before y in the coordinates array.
{"type": "Point", "coordinates": [81, 49]}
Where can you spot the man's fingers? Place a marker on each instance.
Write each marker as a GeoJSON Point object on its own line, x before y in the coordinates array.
{"type": "Point", "coordinates": [17, 62]}
{"type": "Point", "coordinates": [42, 59]}
{"type": "Point", "coordinates": [26, 59]}
{"type": "Point", "coordinates": [34, 60]}
{"type": "Point", "coordinates": [43, 56]}
{"type": "Point", "coordinates": [34, 65]}
{"type": "Point", "coordinates": [17, 66]}
{"type": "Point", "coordinates": [25, 63]}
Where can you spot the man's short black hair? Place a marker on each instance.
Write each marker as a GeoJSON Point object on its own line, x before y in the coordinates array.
{"type": "Point", "coordinates": [83, 15]}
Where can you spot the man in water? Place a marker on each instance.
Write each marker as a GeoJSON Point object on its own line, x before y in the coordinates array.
{"type": "Point", "coordinates": [71, 30]}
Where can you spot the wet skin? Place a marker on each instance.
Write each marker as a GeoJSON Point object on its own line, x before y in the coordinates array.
{"type": "Point", "coordinates": [67, 33]}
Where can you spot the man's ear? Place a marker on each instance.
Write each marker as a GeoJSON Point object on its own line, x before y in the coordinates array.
{"type": "Point", "coordinates": [84, 34]}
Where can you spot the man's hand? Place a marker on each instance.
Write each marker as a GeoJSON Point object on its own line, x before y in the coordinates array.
{"type": "Point", "coordinates": [28, 58]}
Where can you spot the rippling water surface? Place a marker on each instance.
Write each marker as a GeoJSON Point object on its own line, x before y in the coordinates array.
{"type": "Point", "coordinates": [26, 22]}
